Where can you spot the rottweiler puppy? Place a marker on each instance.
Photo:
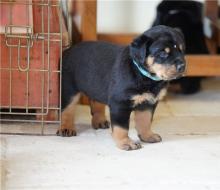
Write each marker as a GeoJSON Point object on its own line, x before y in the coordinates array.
{"type": "Point", "coordinates": [126, 78]}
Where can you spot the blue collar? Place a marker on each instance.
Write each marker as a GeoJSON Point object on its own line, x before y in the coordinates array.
{"type": "Point", "coordinates": [145, 72]}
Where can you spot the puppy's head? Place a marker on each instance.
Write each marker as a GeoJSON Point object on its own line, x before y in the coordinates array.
{"type": "Point", "coordinates": [160, 50]}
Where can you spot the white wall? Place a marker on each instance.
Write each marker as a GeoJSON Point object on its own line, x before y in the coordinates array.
{"type": "Point", "coordinates": [126, 16]}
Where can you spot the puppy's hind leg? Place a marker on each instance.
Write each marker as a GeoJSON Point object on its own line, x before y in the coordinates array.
{"type": "Point", "coordinates": [67, 128]}
{"type": "Point", "coordinates": [99, 120]}
{"type": "Point", "coordinates": [70, 97]}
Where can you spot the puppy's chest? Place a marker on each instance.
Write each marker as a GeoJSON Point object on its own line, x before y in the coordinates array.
{"type": "Point", "coordinates": [148, 97]}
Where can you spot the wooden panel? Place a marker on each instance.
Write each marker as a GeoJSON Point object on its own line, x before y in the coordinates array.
{"type": "Point", "coordinates": [123, 39]}
{"type": "Point", "coordinates": [203, 65]}
{"type": "Point", "coordinates": [89, 20]}
{"type": "Point", "coordinates": [219, 36]}
{"type": "Point", "coordinates": [211, 11]}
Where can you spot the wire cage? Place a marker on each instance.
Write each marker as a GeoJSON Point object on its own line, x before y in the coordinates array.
{"type": "Point", "coordinates": [31, 39]}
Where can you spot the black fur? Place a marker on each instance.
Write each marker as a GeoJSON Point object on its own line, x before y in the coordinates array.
{"type": "Point", "coordinates": [187, 16]}
{"type": "Point", "coordinates": [105, 72]}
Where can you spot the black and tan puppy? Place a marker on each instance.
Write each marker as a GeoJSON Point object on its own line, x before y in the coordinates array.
{"type": "Point", "coordinates": [130, 78]}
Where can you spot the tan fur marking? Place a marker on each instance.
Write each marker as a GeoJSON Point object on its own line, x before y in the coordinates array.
{"type": "Point", "coordinates": [140, 98]}
{"type": "Point", "coordinates": [167, 50]}
{"type": "Point", "coordinates": [143, 122]}
{"type": "Point", "coordinates": [122, 139]}
{"type": "Point", "coordinates": [143, 125]}
{"type": "Point", "coordinates": [68, 114]}
{"type": "Point", "coordinates": [150, 60]}
{"type": "Point", "coordinates": [162, 94]}
{"type": "Point", "coordinates": [98, 114]}
{"type": "Point", "coordinates": [181, 47]}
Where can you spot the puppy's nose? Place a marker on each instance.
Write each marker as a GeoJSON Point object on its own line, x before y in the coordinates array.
{"type": "Point", "coordinates": [180, 66]}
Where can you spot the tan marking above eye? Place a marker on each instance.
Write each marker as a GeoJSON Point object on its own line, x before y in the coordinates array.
{"type": "Point", "coordinates": [181, 47]}
{"type": "Point", "coordinates": [167, 50]}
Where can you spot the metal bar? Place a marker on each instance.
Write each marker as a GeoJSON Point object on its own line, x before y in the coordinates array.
{"type": "Point", "coordinates": [15, 46]}
{"type": "Point", "coordinates": [17, 36]}
{"type": "Point", "coordinates": [24, 3]}
{"type": "Point", "coordinates": [17, 26]}
{"type": "Point", "coordinates": [10, 64]}
{"type": "Point", "coordinates": [22, 107]}
{"type": "Point", "coordinates": [17, 113]}
{"type": "Point", "coordinates": [61, 46]}
{"type": "Point", "coordinates": [35, 70]}
{"type": "Point", "coordinates": [48, 64]}
{"type": "Point", "coordinates": [25, 37]}
{"type": "Point", "coordinates": [28, 59]}
{"type": "Point", "coordinates": [26, 134]}
{"type": "Point", "coordinates": [51, 33]}
{"type": "Point", "coordinates": [38, 36]}
{"type": "Point", "coordinates": [43, 76]}
{"type": "Point", "coordinates": [18, 58]}
{"type": "Point", "coordinates": [24, 121]}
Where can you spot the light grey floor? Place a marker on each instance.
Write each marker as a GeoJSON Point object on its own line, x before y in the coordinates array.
{"type": "Point", "coordinates": [187, 159]}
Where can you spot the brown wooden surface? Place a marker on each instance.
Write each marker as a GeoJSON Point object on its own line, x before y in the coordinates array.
{"type": "Point", "coordinates": [89, 20]}
{"type": "Point", "coordinates": [211, 11]}
{"type": "Point", "coordinates": [123, 39]}
{"type": "Point", "coordinates": [203, 65]}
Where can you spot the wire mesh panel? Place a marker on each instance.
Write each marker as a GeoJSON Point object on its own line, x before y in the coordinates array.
{"type": "Point", "coordinates": [30, 61]}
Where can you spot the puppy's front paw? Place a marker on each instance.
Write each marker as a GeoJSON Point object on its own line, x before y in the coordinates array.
{"type": "Point", "coordinates": [152, 138]}
{"type": "Point", "coordinates": [100, 123]}
{"type": "Point", "coordinates": [128, 144]}
{"type": "Point", "coordinates": [66, 132]}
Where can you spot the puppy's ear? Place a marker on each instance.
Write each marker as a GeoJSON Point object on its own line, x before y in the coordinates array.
{"type": "Point", "coordinates": [139, 48]}
{"type": "Point", "coordinates": [180, 33]}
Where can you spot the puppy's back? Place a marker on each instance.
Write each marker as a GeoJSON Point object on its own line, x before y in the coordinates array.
{"type": "Point", "coordinates": [90, 65]}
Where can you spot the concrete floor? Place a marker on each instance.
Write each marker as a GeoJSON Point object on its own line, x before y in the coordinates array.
{"type": "Point", "coordinates": [187, 159]}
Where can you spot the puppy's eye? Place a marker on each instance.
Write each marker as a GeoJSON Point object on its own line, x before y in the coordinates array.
{"type": "Point", "coordinates": [163, 54]}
